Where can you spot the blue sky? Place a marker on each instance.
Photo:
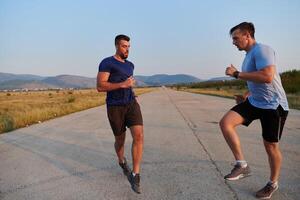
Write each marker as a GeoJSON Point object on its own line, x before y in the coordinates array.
{"type": "Point", "coordinates": [52, 37]}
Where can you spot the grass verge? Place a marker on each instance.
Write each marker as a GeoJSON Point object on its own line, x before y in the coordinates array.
{"type": "Point", "coordinates": [20, 109]}
{"type": "Point", "coordinates": [293, 99]}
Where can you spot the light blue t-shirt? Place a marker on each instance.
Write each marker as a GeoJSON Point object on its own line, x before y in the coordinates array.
{"type": "Point", "coordinates": [264, 95]}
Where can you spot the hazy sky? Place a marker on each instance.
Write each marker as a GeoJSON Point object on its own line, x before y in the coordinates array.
{"type": "Point", "coordinates": [52, 37]}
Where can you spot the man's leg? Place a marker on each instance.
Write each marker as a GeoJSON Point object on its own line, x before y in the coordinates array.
{"type": "Point", "coordinates": [228, 124]}
{"type": "Point", "coordinates": [275, 159]}
{"type": "Point", "coordinates": [119, 146]}
{"type": "Point", "coordinates": [272, 122]}
{"type": "Point", "coordinates": [137, 147]}
{"type": "Point", "coordinates": [137, 153]}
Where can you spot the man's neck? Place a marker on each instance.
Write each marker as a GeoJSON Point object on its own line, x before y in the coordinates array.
{"type": "Point", "coordinates": [116, 56]}
{"type": "Point", "coordinates": [251, 44]}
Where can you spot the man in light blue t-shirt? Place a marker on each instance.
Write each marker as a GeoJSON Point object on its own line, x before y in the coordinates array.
{"type": "Point", "coordinates": [265, 100]}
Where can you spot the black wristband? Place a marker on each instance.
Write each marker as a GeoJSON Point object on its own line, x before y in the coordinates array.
{"type": "Point", "coordinates": [236, 74]}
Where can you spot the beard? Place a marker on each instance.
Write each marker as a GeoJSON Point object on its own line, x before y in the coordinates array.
{"type": "Point", "coordinates": [239, 48]}
{"type": "Point", "coordinates": [124, 56]}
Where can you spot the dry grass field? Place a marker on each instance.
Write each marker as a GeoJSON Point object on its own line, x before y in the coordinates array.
{"type": "Point", "coordinates": [20, 109]}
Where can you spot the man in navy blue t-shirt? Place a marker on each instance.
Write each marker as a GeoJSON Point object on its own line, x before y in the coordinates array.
{"type": "Point", "coordinates": [115, 77]}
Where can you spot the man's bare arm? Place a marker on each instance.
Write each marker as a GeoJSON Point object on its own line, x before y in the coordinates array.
{"type": "Point", "coordinates": [264, 75]}
{"type": "Point", "coordinates": [103, 85]}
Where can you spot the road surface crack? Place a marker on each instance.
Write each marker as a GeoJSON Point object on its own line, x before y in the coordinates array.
{"type": "Point", "coordinates": [193, 128]}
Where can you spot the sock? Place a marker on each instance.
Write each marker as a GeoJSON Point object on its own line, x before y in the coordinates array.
{"type": "Point", "coordinates": [133, 174]}
{"type": "Point", "coordinates": [274, 183]}
{"type": "Point", "coordinates": [123, 161]}
{"type": "Point", "coordinates": [242, 163]}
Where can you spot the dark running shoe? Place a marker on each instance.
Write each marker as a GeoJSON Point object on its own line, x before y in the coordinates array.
{"type": "Point", "coordinates": [267, 191]}
{"type": "Point", "coordinates": [238, 172]}
{"type": "Point", "coordinates": [125, 167]}
{"type": "Point", "coordinates": [135, 182]}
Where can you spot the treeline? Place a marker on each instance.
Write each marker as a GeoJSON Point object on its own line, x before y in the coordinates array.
{"type": "Point", "coordinates": [290, 81]}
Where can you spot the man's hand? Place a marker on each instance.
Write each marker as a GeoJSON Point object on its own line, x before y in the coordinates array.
{"type": "Point", "coordinates": [130, 82]}
{"type": "Point", "coordinates": [230, 70]}
{"type": "Point", "coordinates": [103, 85]}
{"type": "Point", "coordinates": [239, 99]}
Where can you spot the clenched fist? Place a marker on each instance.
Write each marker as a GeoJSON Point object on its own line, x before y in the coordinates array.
{"type": "Point", "coordinates": [230, 70]}
{"type": "Point", "coordinates": [130, 82]}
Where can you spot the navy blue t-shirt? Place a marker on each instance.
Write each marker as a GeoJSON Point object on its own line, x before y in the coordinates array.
{"type": "Point", "coordinates": [119, 72]}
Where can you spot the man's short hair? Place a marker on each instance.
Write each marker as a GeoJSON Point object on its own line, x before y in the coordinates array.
{"type": "Point", "coordinates": [118, 38]}
{"type": "Point", "coordinates": [244, 27]}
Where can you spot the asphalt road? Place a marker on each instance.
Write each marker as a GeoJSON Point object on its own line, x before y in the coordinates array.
{"type": "Point", "coordinates": [185, 155]}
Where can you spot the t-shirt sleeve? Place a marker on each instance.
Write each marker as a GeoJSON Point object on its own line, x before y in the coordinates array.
{"type": "Point", "coordinates": [104, 66]}
{"type": "Point", "coordinates": [265, 56]}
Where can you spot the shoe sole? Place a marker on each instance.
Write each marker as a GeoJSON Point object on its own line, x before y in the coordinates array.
{"type": "Point", "coordinates": [238, 177]}
{"type": "Point", "coordinates": [135, 190]}
{"type": "Point", "coordinates": [138, 192]}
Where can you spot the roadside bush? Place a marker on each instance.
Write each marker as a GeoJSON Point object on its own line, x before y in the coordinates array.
{"type": "Point", "coordinates": [291, 81]}
{"type": "Point", "coordinates": [6, 123]}
{"type": "Point", "coordinates": [71, 99]}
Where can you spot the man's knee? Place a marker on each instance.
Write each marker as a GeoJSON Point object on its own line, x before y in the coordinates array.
{"type": "Point", "coordinates": [222, 122]}
{"type": "Point", "coordinates": [139, 137]}
{"type": "Point", "coordinates": [271, 147]}
{"type": "Point", "coordinates": [138, 134]}
{"type": "Point", "coordinates": [230, 120]}
{"type": "Point", "coordinates": [225, 124]}
{"type": "Point", "coordinates": [120, 140]}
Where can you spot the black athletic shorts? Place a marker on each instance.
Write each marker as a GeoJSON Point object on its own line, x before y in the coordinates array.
{"type": "Point", "coordinates": [124, 116]}
{"type": "Point", "coordinates": [272, 121]}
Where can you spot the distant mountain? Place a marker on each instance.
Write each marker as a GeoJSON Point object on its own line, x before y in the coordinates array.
{"type": "Point", "coordinates": [70, 81]}
{"type": "Point", "coordinates": [15, 81]}
{"type": "Point", "coordinates": [7, 77]}
{"type": "Point", "coordinates": [23, 84]}
{"type": "Point", "coordinates": [164, 79]}
{"type": "Point", "coordinates": [27, 81]}
{"type": "Point", "coordinates": [223, 78]}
